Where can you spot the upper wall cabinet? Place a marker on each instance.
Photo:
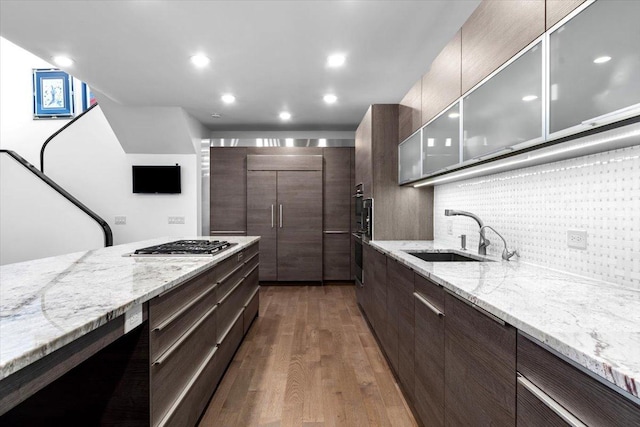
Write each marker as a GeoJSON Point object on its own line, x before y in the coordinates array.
{"type": "Point", "coordinates": [441, 141]}
{"type": "Point", "coordinates": [594, 66]}
{"type": "Point", "coordinates": [441, 85]}
{"type": "Point", "coordinates": [505, 110]}
{"type": "Point", "coordinates": [495, 32]}
{"type": "Point", "coordinates": [410, 162]}
{"type": "Point", "coordinates": [410, 111]}
{"type": "Point", "coordinates": [556, 10]}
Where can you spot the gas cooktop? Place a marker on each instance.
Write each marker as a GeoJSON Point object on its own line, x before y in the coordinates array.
{"type": "Point", "coordinates": [185, 248]}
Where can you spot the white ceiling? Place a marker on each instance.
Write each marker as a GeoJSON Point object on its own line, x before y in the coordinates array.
{"type": "Point", "coordinates": [270, 54]}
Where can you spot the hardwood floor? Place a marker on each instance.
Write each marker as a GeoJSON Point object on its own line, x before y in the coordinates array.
{"type": "Point", "coordinates": [308, 360]}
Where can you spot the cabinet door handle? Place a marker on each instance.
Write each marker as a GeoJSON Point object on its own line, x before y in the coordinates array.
{"type": "Point", "coordinates": [280, 216]}
{"type": "Point", "coordinates": [550, 403]}
{"type": "Point", "coordinates": [272, 216]}
{"type": "Point", "coordinates": [427, 304]}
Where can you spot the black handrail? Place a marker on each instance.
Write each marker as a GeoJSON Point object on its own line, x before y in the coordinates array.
{"type": "Point", "coordinates": [56, 133]}
{"type": "Point", "coordinates": [108, 236]}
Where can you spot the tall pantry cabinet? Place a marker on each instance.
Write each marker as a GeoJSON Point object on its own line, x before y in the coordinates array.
{"type": "Point", "coordinates": [284, 207]}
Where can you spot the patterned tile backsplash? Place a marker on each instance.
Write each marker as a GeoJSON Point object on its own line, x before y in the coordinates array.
{"type": "Point", "coordinates": [533, 208]}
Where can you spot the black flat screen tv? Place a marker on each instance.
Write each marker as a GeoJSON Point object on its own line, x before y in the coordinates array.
{"type": "Point", "coordinates": [156, 179]}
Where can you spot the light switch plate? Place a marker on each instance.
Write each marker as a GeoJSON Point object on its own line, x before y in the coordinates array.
{"type": "Point", "coordinates": [176, 220]}
{"type": "Point", "coordinates": [121, 220]}
{"type": "Point", "coordinates": [577, 239]}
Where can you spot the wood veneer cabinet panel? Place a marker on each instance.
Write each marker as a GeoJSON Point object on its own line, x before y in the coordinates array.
{"type": "Point", "coordinates": [262, 207]}
{"type": "Point", "coordinates": [429, 348]}
{"type": "Point", "coordinates": [495, 32]}
{"type": "Point", "coordinates": [441, 85]}
{"type": "Point", "coordinates": [558, 9]}
{"type": "Point", "coordinates": [337, 189]}
{"type": "Point", "coordinates": [336, 256]}
{"type": "Point", "coordinates": [410, 111]}
{"type": "Point", "coordinates": [393, 313]}
{"type": "Point", "coordinates": [363, 154]}
{"type": "Point", "coordinates": [400, 278]}
{"type": "Point", "coordinates": [228, 192]}
{"type": "Point", "coordinates": [532, 412]}
{"type": "Point", "coordinates": [480, 367]}
{"type": "Point", "coordinates": [300, 225]}
{"type": "Point", "coordinates": [585, 397]}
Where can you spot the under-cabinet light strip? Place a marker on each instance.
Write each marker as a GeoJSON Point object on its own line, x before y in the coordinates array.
{"type": "Point", "coordinates": [531, 158]}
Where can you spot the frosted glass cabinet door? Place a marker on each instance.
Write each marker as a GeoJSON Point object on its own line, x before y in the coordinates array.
{"type": "Point", "coordinates": [409, 159]}
{"type": "Point", "coordinates": [507, 109]}
{"type": "Point", "coordinates": [594, 63]}
{"type": "Point", "coordinates": [441, 141]}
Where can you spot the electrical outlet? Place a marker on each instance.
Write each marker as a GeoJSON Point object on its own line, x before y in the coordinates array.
{"type": "Point", "coordinates": [176, 220]}
{"type": "Point", "coordinates": [450, 227]}
{"type": "Point", "coordinates": [121, 220]}
{"type": "Point", "coordinates": [577, 239]}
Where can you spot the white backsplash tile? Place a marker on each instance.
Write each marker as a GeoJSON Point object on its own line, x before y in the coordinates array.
{"type": "Point", "coordinates": [533, 208]}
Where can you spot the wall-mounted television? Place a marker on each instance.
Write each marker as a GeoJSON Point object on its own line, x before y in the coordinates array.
{"type": "Point", "coordinates": [156, 179]}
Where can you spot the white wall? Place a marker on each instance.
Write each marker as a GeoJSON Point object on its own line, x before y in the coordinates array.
{"type": "Point", "coordinates": [533, 208]}
{"type": "Point", "coordinates": [33, 216]}
{"type": "Point", "coordinates": [18, 130]}
{"type": "Point", "coordinates": [88, 161]}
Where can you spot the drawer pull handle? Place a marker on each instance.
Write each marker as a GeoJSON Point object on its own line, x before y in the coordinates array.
{"type": "Point", "coordinates": [184, 309]}
{"type": "Point", "coordinates": [550, 403]}
{"type": "Point", "coordinates": [427, 304]}
{"type": "Point", "coordinates": [251, 297]}
{"type": "Point", "coordinates": [168, 352]}
{"type": "Point", "coordinates": [231, 273]}
{"type": "Point", "coordinates": [228, 294]}
{"type": "Point", "coordinates": [224, 336]}
{"type": "Point", "coordinates": [188, 387]}
{"type": "Point", "coordinates": [252, 270]}
{"type": "Point", "coordinates": [249, 260]}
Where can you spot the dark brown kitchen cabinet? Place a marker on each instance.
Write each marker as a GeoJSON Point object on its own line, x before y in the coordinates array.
{"type": "Point", "coordinates": [228, 191]}
{"type": "Point", "coordinates": [375, 284]}
{"type": "Point", "coordinates": [441, 84]}
{"type": "Point", "coordinates": [480, 367]}
{"type": "Point", "coordinates": [534, 412]}
{"type": "Point", "coordinates": [410, 112]}
{"type": "Point", "coordinates": [337, 191]}
{"type": "Point", "coordinates": [400, 283]}
{"type": "Point", "coordinates": [495, 32]}
{"type": "Point", "coordinates": [390, 332]}
{"type": "Point", "coordinates": [398, 212]}
{"type": "Point", "coordinates": [285, 208]}
{"type": "Point", "coordinates": [559, 383]}
{"type": "Point", "coordinates": [429, 352]}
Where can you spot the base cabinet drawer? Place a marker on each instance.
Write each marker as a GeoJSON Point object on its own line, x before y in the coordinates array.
{"type": "Point", "coordinates": [251, 310]}
{"type": "Point", "coordinates": [535, 410]}
{"type": "Point", "coordinates": [229, 342]}
{"type": "Point", "coordinates": [584, 397]}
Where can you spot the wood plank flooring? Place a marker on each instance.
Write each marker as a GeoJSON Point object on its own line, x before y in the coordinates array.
{"type": "Point", "coordinates": [308, 360]}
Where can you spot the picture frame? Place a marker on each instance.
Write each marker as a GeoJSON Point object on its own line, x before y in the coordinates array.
{"type": "Point", "coordinates": [52, 94]}
{"type": "Point", "coordinates": [88, 98]}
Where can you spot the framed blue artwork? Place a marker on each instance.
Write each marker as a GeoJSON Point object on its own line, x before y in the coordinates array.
{"type": "Point", "coordinates": [52, 94]}
{"type": "Point", "coordinates": [88, 98]}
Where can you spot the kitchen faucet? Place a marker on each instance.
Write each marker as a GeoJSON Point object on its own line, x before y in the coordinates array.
{"type": "Point", "coordinates": [506, 255]}
{"type": "Point", "coordinates": [482, 245]}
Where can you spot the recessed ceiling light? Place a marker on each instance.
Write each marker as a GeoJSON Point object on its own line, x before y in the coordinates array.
{"type": "Point", "coordinates": [322, 142]}
{"type": "Point", "coordinates": [602, 59]}
{"type": "Point", "coordinates": [336, 60]}
{"type": "Point", "coordinates": [285, 115]}
{"type": "Point", "coordinates": [330, 99]}
{"type": "Point", "coordinates": [228, 98]}
{"type": "Point", "coordinates": [63, 61]}
{"type": "Point", "coordinates": [216, 115]}
{"type": "Point", "coordinates": [288, 142]}
{"type": "Point", "coordinates": [528, 98]}
{"type": "Point", "coordinates": [454, 115]}
{"type": "Point", "coordinates": [200, 60]}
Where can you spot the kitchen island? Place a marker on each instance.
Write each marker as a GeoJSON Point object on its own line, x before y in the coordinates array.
{"type": "Point", "coordinates": [563, 332]}
{"type": "Point", "coordinates": [140, 314]}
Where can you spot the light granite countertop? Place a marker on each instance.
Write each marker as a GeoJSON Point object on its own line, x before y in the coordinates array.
{"type": "Point", "coordinates": [592, 323]}
{"type": "Point", "coordinates": [50, 302]}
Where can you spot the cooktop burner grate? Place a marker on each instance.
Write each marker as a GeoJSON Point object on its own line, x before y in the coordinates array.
{"type": "Point", "coordinates": [186, 247]}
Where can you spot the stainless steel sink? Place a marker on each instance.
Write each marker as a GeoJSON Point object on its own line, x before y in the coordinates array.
{"type": "Point", "coordinates": [443, 257]}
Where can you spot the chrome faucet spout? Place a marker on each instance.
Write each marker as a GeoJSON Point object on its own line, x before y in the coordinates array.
{"type": "Point", "coordinates": [482, 245]}
{"type": "Point", "coordinates": [506, 254]}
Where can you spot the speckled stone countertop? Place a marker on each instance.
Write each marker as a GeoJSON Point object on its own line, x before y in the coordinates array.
{"type": "Point", "coordinates": [47, 303]}
{"type": "Point", "coordinates": [593, 323]}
